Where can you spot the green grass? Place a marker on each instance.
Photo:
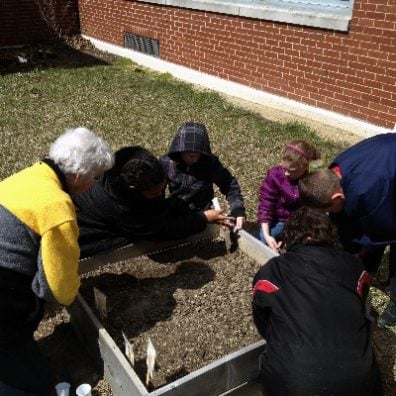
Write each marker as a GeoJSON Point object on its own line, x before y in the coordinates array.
{"type": "Point", "coordinates": [131, 106]}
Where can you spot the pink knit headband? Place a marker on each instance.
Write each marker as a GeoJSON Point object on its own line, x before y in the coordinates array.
{"type": "Point", "coordinates": [297, 150]}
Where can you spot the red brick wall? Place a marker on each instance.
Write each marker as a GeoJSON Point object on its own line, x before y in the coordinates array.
{"type": "Point", "coordinates": [21, 23]}
{"type": "Point", "coordinates": [351, 73]}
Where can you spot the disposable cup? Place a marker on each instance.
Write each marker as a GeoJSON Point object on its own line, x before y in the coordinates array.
{"type": "Point", "coordinates": [83, 390]}
{"type": "Point", "coordinates": [62, 389]}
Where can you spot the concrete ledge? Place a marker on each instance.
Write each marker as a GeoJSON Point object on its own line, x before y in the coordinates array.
{"type": "Point", "coordinates": [327, 14]}
{"type": "Point", "coordinates": [347, 124]}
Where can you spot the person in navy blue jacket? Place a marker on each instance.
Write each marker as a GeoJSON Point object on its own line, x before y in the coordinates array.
{"type": "Point", "coordinates": [309, 305]}
{"type": "Point", "coordinates": [359, 188]}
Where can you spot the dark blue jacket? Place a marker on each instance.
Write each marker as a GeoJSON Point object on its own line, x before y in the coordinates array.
{"type": "Point", "coordinates": [368, 171]}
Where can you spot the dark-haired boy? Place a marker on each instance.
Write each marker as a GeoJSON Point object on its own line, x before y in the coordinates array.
{"type": "Point", "coordinates": [128, 205]}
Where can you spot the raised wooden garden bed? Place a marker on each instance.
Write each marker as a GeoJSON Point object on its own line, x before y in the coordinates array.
{"type": "Point", "coordinates": [194, 304]}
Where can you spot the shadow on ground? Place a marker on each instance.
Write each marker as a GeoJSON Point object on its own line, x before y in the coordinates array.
{"type": "Point", "coordinates": [135, 305]}
{"type": "Point", "coordinates": [55, 54]}
{"type": "Point", "coordinates": [68, 358]}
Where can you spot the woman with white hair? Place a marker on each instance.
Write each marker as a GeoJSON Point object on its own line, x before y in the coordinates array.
{"type": "Point", "coordinates": [39, 251]}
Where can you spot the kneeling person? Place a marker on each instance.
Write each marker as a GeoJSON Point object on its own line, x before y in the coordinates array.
{"type": "Point", "coordinates": [308, 303]}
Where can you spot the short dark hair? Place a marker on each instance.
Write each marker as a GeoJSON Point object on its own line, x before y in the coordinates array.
{"type": "Point", "coordinates": [317, 188]}
{"type": "Point", "coordinates": [310, 226]}
{"type": "Point", "coordinates": [138, 167]}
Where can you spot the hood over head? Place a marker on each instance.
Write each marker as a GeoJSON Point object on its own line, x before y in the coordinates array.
{"type": "Point", "coordinates": [191, 136]}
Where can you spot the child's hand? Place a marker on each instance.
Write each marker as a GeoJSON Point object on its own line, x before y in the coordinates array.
{"type": "Point", "coordinates": [272, 243]}
{"type": "Point", "coordinates": [217, 216]}
{"type": "Point", "coordinates": [228, 222]}
{"type": "Point", "coordinates": [239, 223]}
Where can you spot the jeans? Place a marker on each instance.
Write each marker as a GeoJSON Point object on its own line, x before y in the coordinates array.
{"type": "Point", "coordinates": [275, 232]}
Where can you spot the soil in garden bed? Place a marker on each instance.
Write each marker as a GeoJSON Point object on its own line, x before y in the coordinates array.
{"type": "Point", "coordinates": [193, 303]}
{"type": "Point", "coordinates": [173, 287]}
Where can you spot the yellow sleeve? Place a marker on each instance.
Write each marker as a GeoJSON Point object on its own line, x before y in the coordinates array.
{"type": "Point", "coordinates": [59, 260]}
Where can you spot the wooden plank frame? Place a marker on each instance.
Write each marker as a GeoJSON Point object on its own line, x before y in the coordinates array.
{"type": "Point", "coordinates": [143, 248]}
{"type": "Point", "coordinates": [225, 376]}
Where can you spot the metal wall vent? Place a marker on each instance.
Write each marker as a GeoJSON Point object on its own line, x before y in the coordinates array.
{"type": "Point", "coordinates": [142, 44]}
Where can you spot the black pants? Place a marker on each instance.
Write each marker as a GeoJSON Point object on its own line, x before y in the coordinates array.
{"type": "Point", "coordinates": [24, 371]}
{"type": "Point", "coordinates": [319, 381]}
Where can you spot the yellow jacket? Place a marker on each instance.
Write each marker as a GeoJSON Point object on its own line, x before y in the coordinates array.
{"type": "Point", "coordinates": [39, 232]}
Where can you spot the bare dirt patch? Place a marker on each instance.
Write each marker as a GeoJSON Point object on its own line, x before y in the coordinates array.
{"type": "Point", "coordinates": [324, 131]}
{"type": "Point", "coordinates": [193, 303]}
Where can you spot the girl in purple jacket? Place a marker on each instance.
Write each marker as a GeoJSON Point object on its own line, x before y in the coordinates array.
{"type": "Point", "coordinates": [279, 193]}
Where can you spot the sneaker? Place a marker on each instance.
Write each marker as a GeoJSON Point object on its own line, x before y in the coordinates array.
{"type": "Point", "coordinates": [388, 317]}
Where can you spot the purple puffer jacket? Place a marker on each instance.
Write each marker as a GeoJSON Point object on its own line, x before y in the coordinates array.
{"type": "Point", "coordinates": [278, 197]}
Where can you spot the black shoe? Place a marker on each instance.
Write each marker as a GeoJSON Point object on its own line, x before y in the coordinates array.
{"type": "Point", "coordinates": [388, 317]}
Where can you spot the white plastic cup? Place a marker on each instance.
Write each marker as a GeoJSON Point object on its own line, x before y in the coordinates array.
{"type": "Point", "coordinates": [62, 389]}
{"type": "Point", "coordinates": [83, 390]}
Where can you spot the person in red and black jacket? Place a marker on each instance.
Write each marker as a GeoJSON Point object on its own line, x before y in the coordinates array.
{"type": "Point", "coordinates": [309, 305]}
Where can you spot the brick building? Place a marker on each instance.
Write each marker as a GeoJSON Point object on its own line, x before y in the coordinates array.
{"type": "Point", "coordinates": [338, 56]}
{"type": "Point", "coordinates": [21, 22]}
{"type": "Point", "coordinates": [350, 71]}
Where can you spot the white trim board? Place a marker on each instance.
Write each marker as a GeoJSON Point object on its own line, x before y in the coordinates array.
{"type": "Point", "coordinates": [336, 120]}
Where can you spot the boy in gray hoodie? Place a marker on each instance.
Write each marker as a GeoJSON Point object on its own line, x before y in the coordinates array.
{"type": "Point", "coordinates": [192, 170]}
